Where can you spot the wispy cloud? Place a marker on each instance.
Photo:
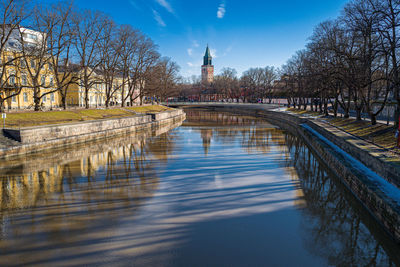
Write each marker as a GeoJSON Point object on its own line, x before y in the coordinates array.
{"type": "Point", "coordinates": [166, 5]}
{"type": "Point", "coordinates": [227, 50]}
{"type": "Point", "coordinates": [213, 53]}
{"type": "Point", "coordinates": [158, 18]}
{"type": "Point", "coordinates": [135, 5]}
{"type": "Point", "coordinates": [195, 43]}
{"type": "Point", "coordinates": [221, 11]}
{"type": "Point", "coordinates": [190, 51]}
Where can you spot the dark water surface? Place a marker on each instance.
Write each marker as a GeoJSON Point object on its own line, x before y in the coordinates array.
{"type": "Point", "coordinates": [220, 190]}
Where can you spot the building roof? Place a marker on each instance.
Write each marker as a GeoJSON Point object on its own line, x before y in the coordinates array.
{"type": "Point", "coordinates": [207, 57]}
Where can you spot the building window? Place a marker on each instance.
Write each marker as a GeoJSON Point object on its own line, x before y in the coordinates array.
{"type": "Point", "coordinates": [22, 63]}
{"type": "Point", "coordinates": [51, 81]}
{"type": "Point", "coordinates": [12, 79]}
{"type": "Point", "coordinates": [43, 80]}
{"type": "Point", "coordinates": [24, 80]}
{"type": "Point", "coordinates": [33, 65]}
{"type": "Point", "coordinates": [10, 61]}
{"type": "Point", "coordinates": [50, 67]}
{"type": "Point", "coordinates": [14, 99]}
{"type": "Point", "coordinates": [30, 36]}
{"type": "Point", "coordinates": [52, 97]}
{"type": "Point", "coordinates": [44, 98]}
{"type": "Point", "coordinates": [25, 97]}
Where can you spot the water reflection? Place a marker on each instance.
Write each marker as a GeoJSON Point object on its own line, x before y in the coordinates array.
{"type": "Point", "coordinates": [29, 180]}
{"type": "Point", "coordinates": [223, 190]}
{"type": "Point", "coordinates": [339, 229]}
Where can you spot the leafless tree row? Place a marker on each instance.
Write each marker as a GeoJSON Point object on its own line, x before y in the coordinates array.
{"type": "Point", "coordinates": [350, 63]}
{"type": "Point", "coordinates": [254, 84]}
{"type": "Point", "coordinates": [106, 55]}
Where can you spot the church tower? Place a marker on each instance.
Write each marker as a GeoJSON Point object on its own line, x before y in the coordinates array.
{"type": "Point", "coordinates": [207, 70]}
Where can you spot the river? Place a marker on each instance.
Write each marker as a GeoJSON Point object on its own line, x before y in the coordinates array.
{"type": "Point", "coordinates": [219, 190]}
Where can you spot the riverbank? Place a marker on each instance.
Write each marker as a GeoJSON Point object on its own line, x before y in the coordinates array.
{"type": "Point", "coordinates": [367, 170]}
{"type": "Point", "coordinates": [28, 140]}
{"type": "Point", "coordinates": [37, 118]}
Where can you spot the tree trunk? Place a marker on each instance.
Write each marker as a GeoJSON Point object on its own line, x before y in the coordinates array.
{"type": "Point", "coordinates": [373, 118]}
{"type": "Point", "coordinates": [64, 101]}
{"type": "Point", "coordinates": [346, 113]}
{"type": "Point", "coordinates": [87, 99]}
{"type": "Point", "coordinates": [358, 112]}
{"type": "Point", "coordinates": [335, 108]}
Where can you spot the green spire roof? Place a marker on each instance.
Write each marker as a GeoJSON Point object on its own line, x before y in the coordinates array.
{"type": "Point", "coordinates": [207, 57]}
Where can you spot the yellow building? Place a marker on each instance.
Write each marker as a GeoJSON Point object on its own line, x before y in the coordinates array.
{"type": "Point", "coordinates": [19, 72]}
{"type": "Point", "coordinates": [97, 94]}
{"type": "Point", "coordinates": [16, 75]}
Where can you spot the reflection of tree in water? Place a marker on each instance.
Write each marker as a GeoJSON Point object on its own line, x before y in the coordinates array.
{"type": "Point", "coordinates": [341, 229]}
{"type": "Point", "coordinates": [94, 186]}
{"type": "Point", "coordinates": [203, 117]}
{"type": "Point", "coordinates": [254, 134]}
{"type": "Point", "coordinates": [252, 139]}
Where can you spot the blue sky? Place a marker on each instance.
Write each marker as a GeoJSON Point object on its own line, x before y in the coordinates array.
{"type": "Point", "coordinates": [241, 34]}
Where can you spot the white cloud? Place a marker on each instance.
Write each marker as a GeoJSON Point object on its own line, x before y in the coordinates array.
{"type": "Point", "coordinates": [213, 53]}
{"type": "Point", "coordinates": [158, 18]}
{"type": "Point", "coordinates": [194, 66]}
{"type": "Point", "coordinates": [190, 51]}
{"type": "Point", "coordinates": [166, 5]}
{"type": "Point", "coordinates": [195, 44]}
{"type": "Point", "coordinates": [227, 50]}
{"type": "Point", "coordinates": [221, 11]}
{"type": "Point", "coordinates": [135, 5]}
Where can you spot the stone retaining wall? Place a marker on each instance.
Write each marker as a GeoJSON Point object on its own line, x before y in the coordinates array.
{"type": "Point", "coordinates": [48, 137]}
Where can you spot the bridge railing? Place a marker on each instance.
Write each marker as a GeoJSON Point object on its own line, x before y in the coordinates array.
{"type": "Point", "coordinates": [189, 103]}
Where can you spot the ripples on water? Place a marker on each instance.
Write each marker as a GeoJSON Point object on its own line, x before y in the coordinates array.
{"type": "Point", "coordinates": [221, 190]}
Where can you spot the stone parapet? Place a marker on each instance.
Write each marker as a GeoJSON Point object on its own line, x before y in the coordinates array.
{"type": "Point", "coordinates": [33, 139]}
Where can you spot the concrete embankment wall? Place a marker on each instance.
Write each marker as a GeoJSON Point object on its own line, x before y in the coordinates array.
{"type": "Point", "coordinates": [373, 182]}
{"type": "Point", "coordinates": [33, 139]}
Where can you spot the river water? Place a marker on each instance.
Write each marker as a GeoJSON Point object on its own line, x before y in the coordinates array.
{"type": "Point", "coordinates": [219, 190]}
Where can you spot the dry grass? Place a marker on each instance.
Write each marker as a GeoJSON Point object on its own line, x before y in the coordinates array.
{"type": "Point", "coordinates": [149, 109]}
{"type": "Point", "coordinates": [303, 112]}
{"type": "Point", "coordinates": [27, 119]}
{"type": "Point", "coordinates": [379, 134]}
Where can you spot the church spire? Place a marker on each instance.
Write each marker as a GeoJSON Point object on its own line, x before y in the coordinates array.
{"type": "Point", "coordinates": [207, 69]}
{"type": "Point", "coordinates": [207, 57]}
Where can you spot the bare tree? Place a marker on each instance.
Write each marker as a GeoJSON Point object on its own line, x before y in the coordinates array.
{"type": "Point", "coordinates": [61, 38]}
{"type": "Point", "coordinates": [88, 28]}
{"type": "Point", "coordinates": [12, 14]}
{"type": "Point", "coordinates": [162, 79]}
{"type": "Point", "coordinates": [36, 53]}
{"type": "Point", "coordinates": [144, 59]}
{"type": "Point", "coordinates": [110, 47]}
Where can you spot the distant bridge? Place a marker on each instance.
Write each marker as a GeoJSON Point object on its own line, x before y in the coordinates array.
{"type": "Point", "coordinates": [223, 104]}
